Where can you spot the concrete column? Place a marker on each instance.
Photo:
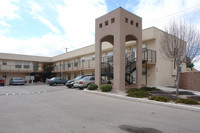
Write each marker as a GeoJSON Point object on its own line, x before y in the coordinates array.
{"type": "Point", "coordinates": [139, 64]}
{"type": "Point", "coordinates": [119, 62]}
{"type": "Point", "coordinates": [98, 62]}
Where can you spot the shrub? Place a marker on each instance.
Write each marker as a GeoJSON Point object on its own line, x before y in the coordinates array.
{"type": "Point", "coordinates": [186, 101]}
{"type": "Point", "coordinates": [132, 90]}
{"type": "Point", "coordinates": [138, 94]}
{"type": "Point", "coordinates": [92, 87]}
{"type": "Point", "coordinates": [105, 87]}
{"type": "Point", "coordinates": [149, 89]}
{"type": "Point", "coordinates": [159, 98]}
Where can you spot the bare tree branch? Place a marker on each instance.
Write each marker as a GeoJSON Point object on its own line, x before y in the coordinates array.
{"type": "Point", "coordinates": [179, 42]}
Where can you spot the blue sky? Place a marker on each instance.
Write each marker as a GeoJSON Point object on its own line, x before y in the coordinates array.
{"type": "Point", "coordinates": [47, 27]}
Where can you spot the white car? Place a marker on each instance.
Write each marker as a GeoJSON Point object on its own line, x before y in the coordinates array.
{"type": "Point", "coordinates": [86, 81]}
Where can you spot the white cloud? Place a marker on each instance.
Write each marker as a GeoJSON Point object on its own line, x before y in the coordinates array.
{"type": "Point", "coordinates": [47, 23]}
{"type": "Point", "coordinates": [36, 10]}
{"type": "Point", "coordinates": [8, 9]}
{"type": "Point", "coordinates": [158, 13]}
{"type": "Point", "coordinates": [77, 17]}
{"type": "Point", "coordinates": [3, 23]}
{"type": "Point", "coordinates": [77, 21]}
{"type": "Point", "coordinates": [47, 45]}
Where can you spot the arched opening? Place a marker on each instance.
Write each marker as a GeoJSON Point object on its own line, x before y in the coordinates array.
{"type": "Point", "coordinates": [107, 68]}
{"type": "Point", "coordinates": [130, 63]}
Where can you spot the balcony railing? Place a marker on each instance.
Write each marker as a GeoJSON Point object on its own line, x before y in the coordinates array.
{"type": "Point", "coordinates": [16, 68]}
{"type": "Point", "coordinates": [75, 65]}
{"type": "Point", "coordinates": [149, 55]}
{"type": "Point", "coordinates": [22, 68]}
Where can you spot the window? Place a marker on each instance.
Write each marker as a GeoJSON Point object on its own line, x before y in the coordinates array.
{"type": "Point", "coordinates": [92, 78]}
{"type": "Point", "coordinates": [83, 59]}
{"type": "Point", "coordinates": [4, 62]}
{"type": "Point", "coordinates": [18, 64]}
{"type": "Point", "coordinates": [137, 24]}
{"type": "Point", "coordinates": [144, 47]}
{"type": "Point", "coordinates": [26, 65]}
{"type": "Point", "coordinates": [76, 63]}
{"type": "Point", "coordinates": [112, 20]}
{"type": "Point", "coordinates": [102, 58]}
{"type": "Point", "coordinates": [100, 25]}
{"type": "Point", "coordinates": [131, 22]}
{"type": "Point", "coordinates": [68, 64]}
{"type": "Point", "coordinates": [93, 57]}
{"type": "Point", "coordinates": [126, 20]}
{"type": "Point", "coordinates": [110, 56]}
{"type": "Point", "coordinates": [106, 23]}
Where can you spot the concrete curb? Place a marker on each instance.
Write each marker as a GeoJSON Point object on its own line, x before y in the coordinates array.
{"type": "Point", "coordinates": [173, 105]}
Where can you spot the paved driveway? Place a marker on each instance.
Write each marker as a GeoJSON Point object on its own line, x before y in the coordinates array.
{"type": "Point", "coordinates": [46, 109]}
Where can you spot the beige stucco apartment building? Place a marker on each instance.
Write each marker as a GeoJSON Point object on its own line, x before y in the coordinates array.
{"type": "Point", "coordinates": [156, 70]}
{"type": "Point", "coordinates": [123, 54]}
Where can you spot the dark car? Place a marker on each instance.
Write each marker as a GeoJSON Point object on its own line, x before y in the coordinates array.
{"type": "Point", "coordinates": [70, 83]}
{"type": "Point", "coordinates": [2, 82]}
{"type": "Point", "coordinates": [16, 81]}
{"type": "Point", "coordinates": [57, 80]}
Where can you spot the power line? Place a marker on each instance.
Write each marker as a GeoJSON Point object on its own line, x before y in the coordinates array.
{"type": "Point", "coordinates": [179, 12]}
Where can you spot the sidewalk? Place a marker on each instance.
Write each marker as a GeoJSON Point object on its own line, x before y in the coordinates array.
{"type": "Point", "coordinates": [174, 89]}
{"type": "Point", "coordinates": [121, 94]}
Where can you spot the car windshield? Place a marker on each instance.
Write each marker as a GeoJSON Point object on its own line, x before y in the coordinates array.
{"type": "Point", "coordinates": [17, 78]}
{"type": "Point", "coordinates": [52, 78]}
{"type": "Point", "coordinates": [79, 77]}
{"type": "Point", "coordinates": [85, 78]}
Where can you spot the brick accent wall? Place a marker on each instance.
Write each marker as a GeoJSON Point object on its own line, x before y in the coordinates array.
{"type": "Point", "coordinates": [190, 80]}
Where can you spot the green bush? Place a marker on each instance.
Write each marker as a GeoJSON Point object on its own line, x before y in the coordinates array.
{"type": "Point", "coordinates": [159, 98]}
{"type": "Point", "coordinates": [149, 88]}
{"type": "Point", "coordinates": [138, 94]}
{"type": "Point", "coordinates": [132, 90]}
{"type": "Point", "coordinates": [105, 87]}
{"type": "Point", "coordinates": [92, 87]}
{"type": "Point", "coordinates": [186, 101]}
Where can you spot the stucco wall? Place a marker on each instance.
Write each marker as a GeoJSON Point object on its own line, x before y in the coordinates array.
{"type": "Point", "coordinates": [11, 75]}
{"type": "Point", "coordinates": [190, 80]}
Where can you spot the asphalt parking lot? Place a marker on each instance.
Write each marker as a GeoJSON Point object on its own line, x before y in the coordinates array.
{"type": "Point", "coordinates": [57, 109]}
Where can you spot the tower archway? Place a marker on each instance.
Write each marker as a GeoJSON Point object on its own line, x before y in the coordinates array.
{"type": "Point", "coordinates": [118, 27]}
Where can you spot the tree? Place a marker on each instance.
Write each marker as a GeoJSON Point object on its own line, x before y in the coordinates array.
{"type": "Point", "coordinates": [189, 63]}
{"type": "Point", "coordinates": [179, 41]}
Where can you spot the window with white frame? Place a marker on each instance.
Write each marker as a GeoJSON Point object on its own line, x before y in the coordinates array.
{"type": "Point", "coordinates": [26, 65]}
{"type": "Point", "coordinates": [18, 64]}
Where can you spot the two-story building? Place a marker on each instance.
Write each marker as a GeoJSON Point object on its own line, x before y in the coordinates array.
{"type": "Point", "coordinates": [156, 70]}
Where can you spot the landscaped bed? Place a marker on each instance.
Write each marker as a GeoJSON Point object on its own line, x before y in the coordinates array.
{"type": "Point", "coordinates": [153, 93]}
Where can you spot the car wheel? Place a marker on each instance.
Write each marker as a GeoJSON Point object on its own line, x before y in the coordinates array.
{"type": "Point", "coordinates": [69, 86]}
{"type": "Point", "coordinates": [54, 84]}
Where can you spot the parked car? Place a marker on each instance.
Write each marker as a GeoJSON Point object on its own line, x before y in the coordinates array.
{"type": "Point", "coordinates": [16, 81]}
{"type": "Point", "coordinates": [86, 81]}
{"type": "Point", "coordinates": [70, 83]}
{"type": "Point", "coordinates": [2, 82]}
{"type": "Point", "coordinates": [57, 80]}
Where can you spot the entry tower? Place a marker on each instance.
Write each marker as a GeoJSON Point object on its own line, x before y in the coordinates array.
{"type": "Point", "coordinates": [118, 27]}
